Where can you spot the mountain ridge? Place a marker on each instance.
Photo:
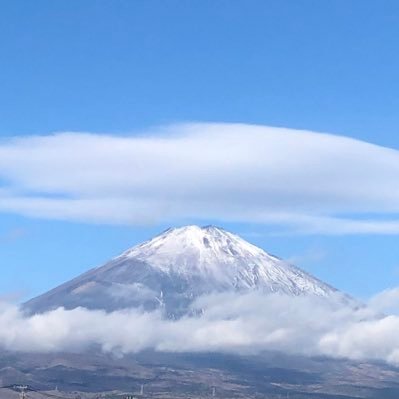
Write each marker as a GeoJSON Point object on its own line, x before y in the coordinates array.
{"type": "Point", "coordinates": [173, 268]}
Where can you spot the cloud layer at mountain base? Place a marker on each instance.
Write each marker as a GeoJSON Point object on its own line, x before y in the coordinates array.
{"type": "Point", "coordinates": [299, 180]}
{"type": "Point", "coordinates": [249, 323]}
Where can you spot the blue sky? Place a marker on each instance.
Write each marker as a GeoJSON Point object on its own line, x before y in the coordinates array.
{"type": "Point", "coordinates": [123, 67]}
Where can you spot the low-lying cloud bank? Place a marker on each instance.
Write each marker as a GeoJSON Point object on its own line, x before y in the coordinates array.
{"type": "Point", "coordinates": [249, 323]}
{"type": "Point", "coordinates": [299, 180]}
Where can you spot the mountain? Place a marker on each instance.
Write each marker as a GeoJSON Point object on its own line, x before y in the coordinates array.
{"type": "Point", "coordinates": [177, 266]}
{"type": "Point", "coordinates": [170, 271]}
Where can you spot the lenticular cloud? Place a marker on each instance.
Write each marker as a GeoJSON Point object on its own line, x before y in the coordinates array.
{"type": "Point", "coordinates": [300, 180]}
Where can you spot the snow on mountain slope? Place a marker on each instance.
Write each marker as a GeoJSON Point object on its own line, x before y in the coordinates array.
{"type": "Point", "coordinates": [224, 260]}
{"type": "Point", "coordinates": [177, 266]}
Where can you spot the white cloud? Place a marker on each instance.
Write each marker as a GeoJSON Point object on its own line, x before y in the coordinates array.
{"type": "Point", "coordinates": [305, 181]}
{"type": "Point", "coordinates": [386, 301]}
{"type": "Point", "coordinates": [249, 323]}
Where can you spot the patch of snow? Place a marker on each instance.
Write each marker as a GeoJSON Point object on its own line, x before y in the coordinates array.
{"type": "Point", "coordinates": [223, 258]}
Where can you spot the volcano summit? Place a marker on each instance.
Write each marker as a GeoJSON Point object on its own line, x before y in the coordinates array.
{"type": "Point", "coordinates": [172, 269]}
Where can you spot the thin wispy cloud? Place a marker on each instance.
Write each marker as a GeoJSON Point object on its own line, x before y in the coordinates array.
{"type": "Point", "coordinates": [386, 301]}
{"type": "Point", "coordinates": [12, 235]}
{"type": "Point", "coordinates": [310, 255]}
{"type": "Point", "coordinates": [300, 181]}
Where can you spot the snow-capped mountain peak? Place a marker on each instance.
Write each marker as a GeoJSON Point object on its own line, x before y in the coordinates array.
{"type": "Point", "coordinates": [223, 261]}
{"type": "Point", "coordinates": [175, 267]}
{"type": "Point", "coordinates": [192, 249]}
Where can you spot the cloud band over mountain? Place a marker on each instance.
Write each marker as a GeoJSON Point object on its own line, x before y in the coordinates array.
{"type": "Point", "coordinates": [298, 180]}
{"type": "Point", "coordinates": [231, 323]}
